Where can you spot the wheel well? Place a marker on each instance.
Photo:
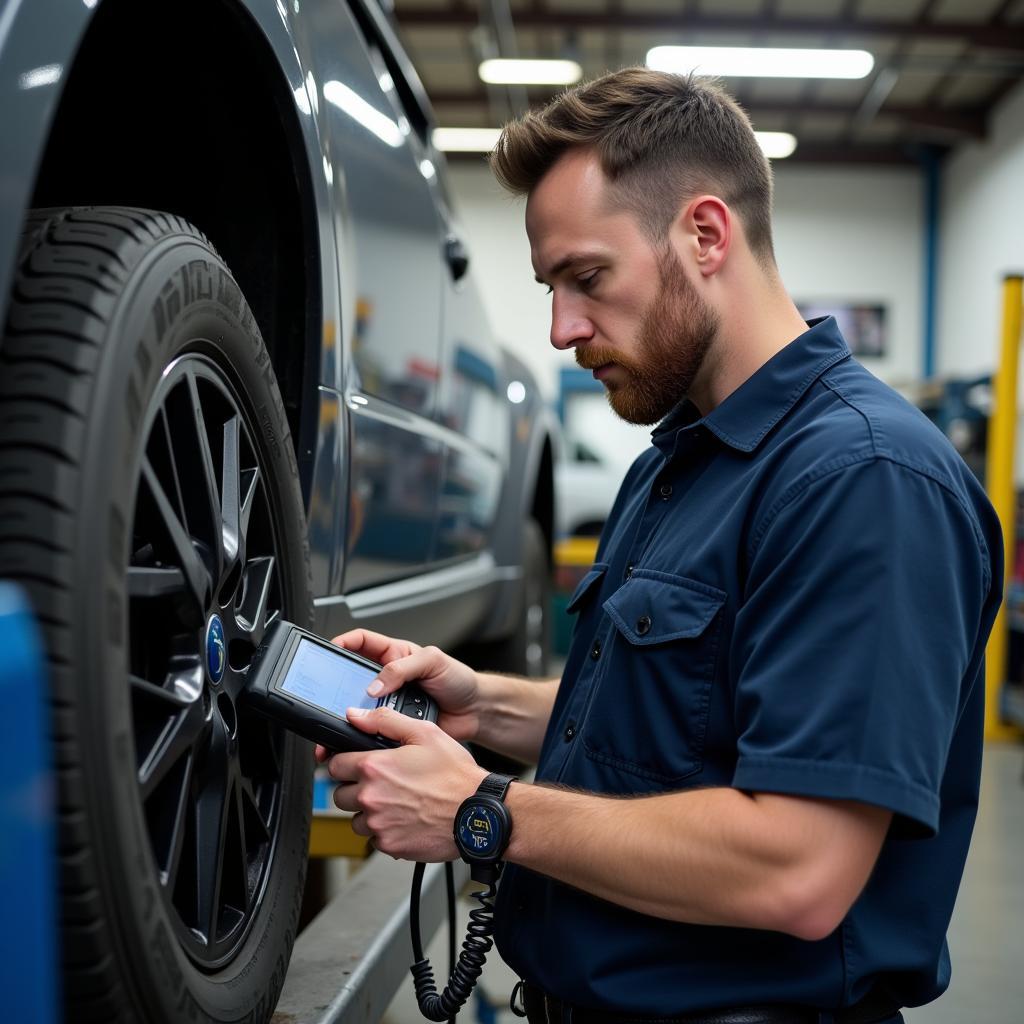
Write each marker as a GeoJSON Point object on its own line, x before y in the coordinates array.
{"type": "Point", "coordinates": [543, 509]}
{"type": "Point", "coordinates": [180, 105]}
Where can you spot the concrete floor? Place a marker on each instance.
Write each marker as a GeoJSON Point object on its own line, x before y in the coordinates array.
{"type": "Point", "coordinates": [986, 937]}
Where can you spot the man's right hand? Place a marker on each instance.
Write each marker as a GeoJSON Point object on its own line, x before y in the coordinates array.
{"type": "Point", "coordinates": [450, 683]}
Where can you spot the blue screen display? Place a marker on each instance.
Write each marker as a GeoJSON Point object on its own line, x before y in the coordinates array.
{"type": "Point", "coordinates": [327, 680]}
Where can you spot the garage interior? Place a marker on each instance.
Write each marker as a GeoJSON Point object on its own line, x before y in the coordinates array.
{"type": "Point", "coordinates": [898, 208]}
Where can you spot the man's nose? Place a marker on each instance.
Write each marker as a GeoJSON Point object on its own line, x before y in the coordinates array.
{"type": "Point", "coordinates": [568, 324]}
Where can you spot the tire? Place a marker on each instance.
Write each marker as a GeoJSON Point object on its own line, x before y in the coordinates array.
{"type": "Point", "coordinates": [148, 484]}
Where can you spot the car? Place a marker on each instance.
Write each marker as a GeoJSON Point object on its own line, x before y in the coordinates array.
{"type": "Point", "coordinates": [245, 375]}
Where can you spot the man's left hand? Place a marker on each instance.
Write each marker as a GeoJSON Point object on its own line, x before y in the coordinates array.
{"type": "Point", "coordinates": [405, 798]}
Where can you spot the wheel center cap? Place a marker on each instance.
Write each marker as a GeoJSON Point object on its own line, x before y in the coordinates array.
{"type": "Point", "coordinates": [216, 649]}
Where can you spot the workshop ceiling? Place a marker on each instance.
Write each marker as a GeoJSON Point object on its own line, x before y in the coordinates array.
{"type": "Point", "coordinates": [941, 66]}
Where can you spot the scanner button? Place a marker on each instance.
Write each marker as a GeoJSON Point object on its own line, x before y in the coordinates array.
{"type": "Point", "coordinates": [419, 714]}
{"type": "Point", "coordinates": [417, 700]}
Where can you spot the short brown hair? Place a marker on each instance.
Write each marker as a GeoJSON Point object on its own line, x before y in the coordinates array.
{"type": "Point", "coordinates": [659, 137]}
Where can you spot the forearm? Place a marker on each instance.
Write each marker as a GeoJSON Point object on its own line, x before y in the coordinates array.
{"type": "Point", "coordinates": [513, 714]}
{"type": "Point", "coordinates": [709, 856]}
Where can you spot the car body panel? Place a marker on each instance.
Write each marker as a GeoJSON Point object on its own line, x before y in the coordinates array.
{"type": "Point", "coordinates": [416, 449]}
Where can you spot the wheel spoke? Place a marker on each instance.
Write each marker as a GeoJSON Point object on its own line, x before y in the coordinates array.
{"type": "Point", "coordinates": [241, 865]}
{"type": "Point", "coordinates": [173, 464]}
{"type": "Point", "coordinates": [172, 700]}
{"type": "Point", "coordinates": [252, 805]}
{"type": "Point", "coordinates": [250, 480]}
{"type": "Point", "coordinates": [252, 615]}
{"type": "Point", "coordinates": [196, 576]}
{"type": "Point", "coordinates": [178, 829]}
{"type": "Point", "coordinates": [177, 739]}
{"type": "Point", "coordinates": [209, 473]}
{"type": "Point", "coordinates": [230, 494]}
{"type": "Point", "coordinates": [212, 809]}
{"type": "Point", "coordinates": [154, 581]}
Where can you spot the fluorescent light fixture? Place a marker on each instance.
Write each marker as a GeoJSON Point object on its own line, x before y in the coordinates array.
{"type": "Point", "coordinates": [776, 145]}
{"type": "Point", "coordinates": [760, 62]}
{"type": "Point", "coordinates": [466, 140]}
{"type": "Point", "coordinates": [502, 71]}
{"type": "Point", "coordinates": [359, 110]}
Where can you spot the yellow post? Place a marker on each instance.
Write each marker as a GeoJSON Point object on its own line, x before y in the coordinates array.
{"type": "Point", "coordinates": [999, 469]}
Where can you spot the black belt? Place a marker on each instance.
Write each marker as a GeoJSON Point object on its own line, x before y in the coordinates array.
{"type": "Point", "coordinates": [542, 1008]}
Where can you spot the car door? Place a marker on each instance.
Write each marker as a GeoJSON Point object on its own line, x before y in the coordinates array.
{"type": "Point", "coordinates": [392, 238]}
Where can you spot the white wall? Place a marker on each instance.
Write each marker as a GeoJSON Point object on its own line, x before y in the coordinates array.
{"type": "Point", "coordinates": [840, 235]}
{"type": "Point", "coordinates": [982, 239]}
{"type": "Point", "coordinates": [845, 235]}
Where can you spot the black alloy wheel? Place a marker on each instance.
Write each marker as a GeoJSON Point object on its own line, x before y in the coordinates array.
{"type": "Point", "coordinates": [203, 586]}
{"type": "Point", "coordinates": [150, 507]}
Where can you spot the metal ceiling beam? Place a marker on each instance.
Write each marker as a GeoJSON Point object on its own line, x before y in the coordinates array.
{"type": "Point", "coordinates": [965, 122]}
{"type": "Point", "coordinates": [839, 153]}
{"type": "Point", "coordinates": [994, 36]}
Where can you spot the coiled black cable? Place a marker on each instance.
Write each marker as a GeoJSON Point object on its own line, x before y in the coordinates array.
{"type": "Point", "coordinates": [475, 947]}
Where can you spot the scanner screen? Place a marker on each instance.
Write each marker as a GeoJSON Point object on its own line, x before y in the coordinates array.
{"type": "Point", "coordinates": [327, 680]}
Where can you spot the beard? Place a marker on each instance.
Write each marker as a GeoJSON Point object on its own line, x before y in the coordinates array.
{"type": "Point", "coordinates": [674, 338]}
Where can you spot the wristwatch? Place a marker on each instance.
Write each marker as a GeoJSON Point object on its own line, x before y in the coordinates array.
{"type": "Point", "coordinates": [483, 827]}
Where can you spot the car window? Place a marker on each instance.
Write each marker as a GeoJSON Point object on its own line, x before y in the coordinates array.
{"type": "Point", "coordinates": [397, 78]}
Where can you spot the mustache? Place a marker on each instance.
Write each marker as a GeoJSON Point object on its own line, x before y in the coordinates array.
{"type": "Point", "coordinates": [590, 358]}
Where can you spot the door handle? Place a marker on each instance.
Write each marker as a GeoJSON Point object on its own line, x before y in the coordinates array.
{"type": "Point", "coordinates": [457, 256]}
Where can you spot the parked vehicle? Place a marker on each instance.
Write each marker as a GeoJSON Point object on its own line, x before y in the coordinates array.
{"type": "Point", "coordinates": [244, 373]}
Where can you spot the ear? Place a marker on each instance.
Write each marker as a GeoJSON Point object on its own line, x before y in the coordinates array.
{"type": "Point", "coordinates": [709, 224]}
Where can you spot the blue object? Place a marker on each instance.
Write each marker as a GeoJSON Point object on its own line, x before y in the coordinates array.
{"type": "Point", "coordinates": [28, 870]}
{"type": "Point", "coordinates": [932, 167]}
{"type": "Point", "coordinates": [792, 595]}
{"type": "Point", "coordinates": [216, 649]}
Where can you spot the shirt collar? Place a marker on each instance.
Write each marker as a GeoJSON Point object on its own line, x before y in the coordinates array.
{"type": "Point", "coordinates": [744, 419]}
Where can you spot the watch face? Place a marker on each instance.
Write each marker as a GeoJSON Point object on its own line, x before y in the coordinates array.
{"type": "Point", "coordinates": [481, 831]}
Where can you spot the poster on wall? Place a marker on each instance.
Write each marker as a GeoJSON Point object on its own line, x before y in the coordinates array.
{"type": "Point", "coordinates": [862, 324]}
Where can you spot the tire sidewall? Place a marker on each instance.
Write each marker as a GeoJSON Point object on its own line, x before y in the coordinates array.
{"type": "Point", "coordinates": [179, 298]}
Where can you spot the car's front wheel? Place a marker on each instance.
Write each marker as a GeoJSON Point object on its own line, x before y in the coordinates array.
{"type": "Point", "coordinates": [149, 503]}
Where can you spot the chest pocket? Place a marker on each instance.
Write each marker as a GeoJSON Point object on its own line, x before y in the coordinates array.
{"type": "Point", "coordinates": [649, 714]}
{"type": "Point", "coordinates": [585, 588]}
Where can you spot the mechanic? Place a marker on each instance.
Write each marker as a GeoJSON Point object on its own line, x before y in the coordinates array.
{"type": "Point", "coordinates": [778, 654]}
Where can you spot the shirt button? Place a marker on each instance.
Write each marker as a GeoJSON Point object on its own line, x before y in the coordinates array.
{"type": "Point", "coordinates": [595, 651]}
{"type": "Point", "coordinates": [665, 491]}
{"type": "Point", "coordinates": [570, 732]}
{"type": "Point", "coordinates": [629, 571]}
{"type": "Point", "coordinates": [643, 625]}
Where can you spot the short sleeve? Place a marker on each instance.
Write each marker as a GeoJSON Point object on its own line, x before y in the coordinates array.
{"type": "Point", "coordinates": [858, 641]}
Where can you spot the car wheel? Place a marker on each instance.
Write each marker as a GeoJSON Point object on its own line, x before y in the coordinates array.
{"type": "Point", "coordinates": [149, 504]}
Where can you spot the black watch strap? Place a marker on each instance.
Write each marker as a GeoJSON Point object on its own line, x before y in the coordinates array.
{"type": "Point", "coordinates": [496, 785]}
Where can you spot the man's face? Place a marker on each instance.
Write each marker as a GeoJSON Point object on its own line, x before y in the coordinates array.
{"type": "Point", "coordinates": [626, 307]}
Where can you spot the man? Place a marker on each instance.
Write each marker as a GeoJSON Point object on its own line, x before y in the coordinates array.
{"type": "Point", "coordinates": [778, 653]}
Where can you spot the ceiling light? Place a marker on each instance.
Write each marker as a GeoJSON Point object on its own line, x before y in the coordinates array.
{"type": "Point", "coordinates": [466, 140]}
{"type": "Point", "coordinates": [501, 71]}
{"type": "Point", "coordinates": [761, 62]}
{"type": "Point", "coordinates": [776, 145]}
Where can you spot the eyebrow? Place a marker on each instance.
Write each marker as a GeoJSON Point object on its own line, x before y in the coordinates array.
{"type": "Point", "coordinates": [568, 261]}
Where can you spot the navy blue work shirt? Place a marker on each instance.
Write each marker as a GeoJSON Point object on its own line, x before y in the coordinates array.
{"type": "Point", "coordinates": [792, 595]}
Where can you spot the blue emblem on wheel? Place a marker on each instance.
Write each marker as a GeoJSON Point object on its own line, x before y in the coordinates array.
{"type": "Point", "coordinates": [216, 649]}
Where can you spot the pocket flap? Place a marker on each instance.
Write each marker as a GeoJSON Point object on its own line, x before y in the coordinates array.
{"type": "Point", "coordinates": [653, 607]}
{"type": "Point", "coordinates": [597, 570]}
